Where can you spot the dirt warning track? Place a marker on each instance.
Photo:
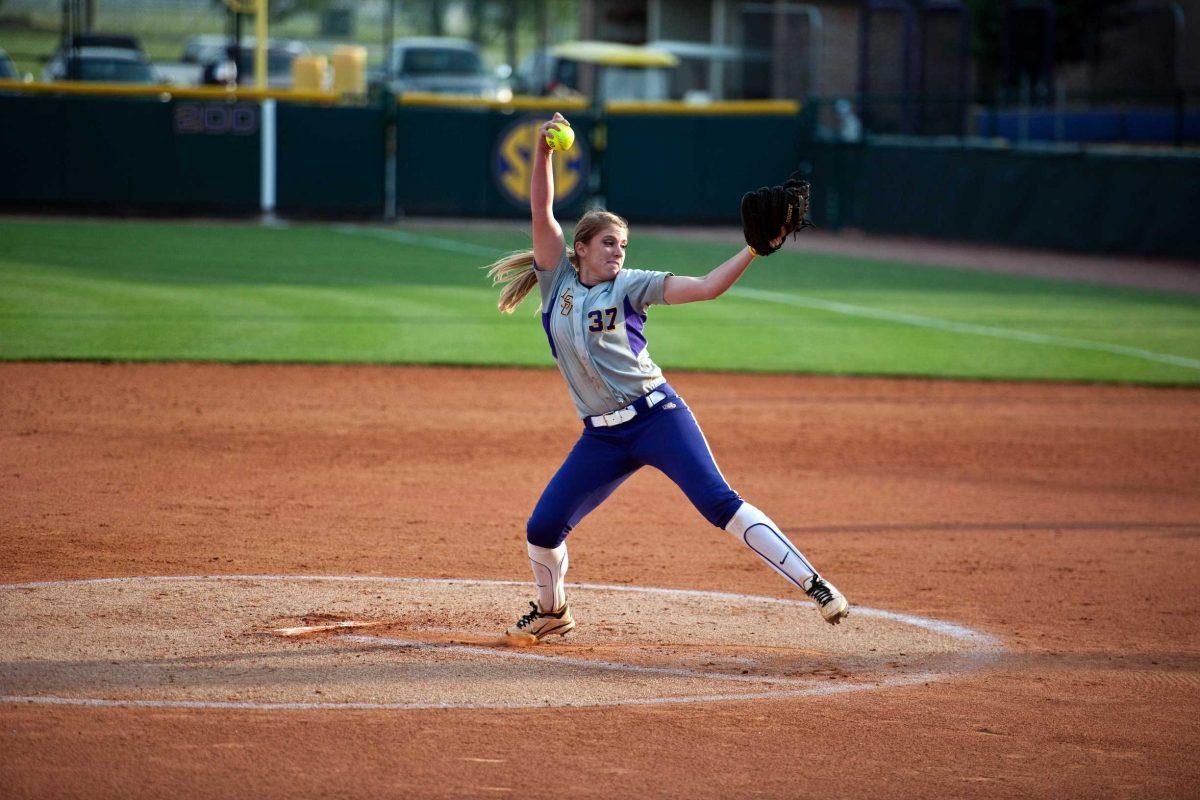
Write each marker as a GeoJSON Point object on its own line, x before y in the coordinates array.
{"type": "Point", "coordinates": [1024, 558]}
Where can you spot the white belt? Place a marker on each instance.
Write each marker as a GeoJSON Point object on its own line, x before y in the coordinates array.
{"type": "Point", "coordinates": [627, 413]}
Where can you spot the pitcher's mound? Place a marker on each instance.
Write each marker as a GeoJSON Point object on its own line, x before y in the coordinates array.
{"type": "Point", "coordinates": [309, 641]}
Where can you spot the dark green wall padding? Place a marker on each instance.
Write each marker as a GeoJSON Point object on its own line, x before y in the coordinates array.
{"type": "Point", "coordinates": [120, 152]}
{"type": "Point", "coordinates": [328, 160]}
{"type": "Point", "coordinates": [446, 162]}
{"type": "Point", "coordinates": [125, 153]}
{"type": "Point", "coordinates": [686, 169]}
{"type": "Point", "coordinates": [1069, 199]}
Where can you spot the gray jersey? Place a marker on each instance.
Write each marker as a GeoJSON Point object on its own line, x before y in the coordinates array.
{"type": "Point", "coordinates": [596, 335]}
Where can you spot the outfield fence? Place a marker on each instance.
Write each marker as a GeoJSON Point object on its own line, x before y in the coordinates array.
{"type": "Point", "coordinates": [209, 151]}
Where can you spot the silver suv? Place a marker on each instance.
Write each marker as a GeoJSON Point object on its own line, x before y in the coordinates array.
{"type": "Point", "coordinates": [440, 64]}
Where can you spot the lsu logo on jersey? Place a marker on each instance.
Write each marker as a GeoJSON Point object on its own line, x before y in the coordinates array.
{"type": "Point", "coordinates": [567, 302]}
{"type": "Point", "coordinates": [513, 163]}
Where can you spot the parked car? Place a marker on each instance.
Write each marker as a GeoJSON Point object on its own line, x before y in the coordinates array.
{"type": "Point", "coordinates": [213, 55]}
{"type": "Point", "coordinates": [101, 64]}
{"type": "Point", "coordinates": [440, 64]}
{"type": "Point", "coordinates": [117, 41]}
{"type": "Point", "coordinates": [8, 70]}
{"type": "Point", "coordinates": [204, 49]}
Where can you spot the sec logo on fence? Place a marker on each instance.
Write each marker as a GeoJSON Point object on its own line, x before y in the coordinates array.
{"type": "Point", "coordinates": [513, 164]}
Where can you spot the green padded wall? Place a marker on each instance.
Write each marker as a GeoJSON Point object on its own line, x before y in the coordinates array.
{"type": "Point", "coordinates": [686, 169]}
{"type": "Point", "coordinates": [1062, 198]}
{"type": "Point", "coordinates": [329, 160]}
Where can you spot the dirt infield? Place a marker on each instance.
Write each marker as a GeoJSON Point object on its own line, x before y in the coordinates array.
{"type": "Point", "coordinates": [1024, 557]}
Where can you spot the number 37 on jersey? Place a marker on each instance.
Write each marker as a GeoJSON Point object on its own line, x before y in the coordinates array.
{"type": "Point", "coordinates": [605, 320]}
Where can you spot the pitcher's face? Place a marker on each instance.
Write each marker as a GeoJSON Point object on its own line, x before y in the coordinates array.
{"type": "Point", "coordinates": [601, 258]}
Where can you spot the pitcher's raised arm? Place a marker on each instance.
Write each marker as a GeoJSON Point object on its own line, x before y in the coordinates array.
{"type": "Point", "coordinates": [548, 240]}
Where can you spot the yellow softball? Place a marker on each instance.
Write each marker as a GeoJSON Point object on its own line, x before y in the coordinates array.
{"type": "Point", "coordinates": [560, 139]}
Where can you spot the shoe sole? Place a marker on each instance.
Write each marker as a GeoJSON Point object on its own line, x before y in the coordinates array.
{"type": "Point", "coordinates": [839, 616]}
{"type": "Point", "coordinates": [529, 638]}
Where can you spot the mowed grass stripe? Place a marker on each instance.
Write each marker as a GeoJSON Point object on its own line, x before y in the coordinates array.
{"type": "Point", "coordinates": [965, 327]}
{"type": "Point", "coordinates": [316, 292]}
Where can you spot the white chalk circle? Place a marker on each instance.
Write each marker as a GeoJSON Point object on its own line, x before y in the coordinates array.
{"type": "Point", "coordinates": [207, 642]}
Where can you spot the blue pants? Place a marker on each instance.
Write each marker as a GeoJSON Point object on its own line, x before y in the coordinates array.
{"type": "Point", "coordinates": [666, 437]}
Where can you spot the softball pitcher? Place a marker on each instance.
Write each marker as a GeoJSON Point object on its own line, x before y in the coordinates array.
{"type": "Point", "coordinates": [594, 315]}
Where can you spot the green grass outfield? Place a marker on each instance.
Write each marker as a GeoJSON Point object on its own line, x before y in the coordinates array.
{"type": "Point", "coordinates": [116, 290]}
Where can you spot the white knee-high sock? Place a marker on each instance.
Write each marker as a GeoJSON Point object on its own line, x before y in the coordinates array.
{"type": "Point", "coordinates": [756, 530]}
{"type": "Point", "coordinates": [549, 569]}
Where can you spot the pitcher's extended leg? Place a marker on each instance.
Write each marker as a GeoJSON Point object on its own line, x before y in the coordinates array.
{"type": "Point", "coordinates": [675, 444]}
{"type": "Point", "coordinates": [756, 530]}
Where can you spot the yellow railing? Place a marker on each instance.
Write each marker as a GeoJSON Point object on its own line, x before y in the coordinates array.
{"type": "Point", "coordinates": [781, 107]}
{"type": "Point", "coordinates": [165, 90]}
{"type": "Point", "coordinates": [518, 103]}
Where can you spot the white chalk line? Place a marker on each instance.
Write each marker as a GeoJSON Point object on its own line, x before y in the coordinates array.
{"type": "Point", "coordinates": [988, 647]}
{"type": "Point", "coordinates": [823, 690]}
{"type": "Point", "coordinates": [935, 323]}
{"type": "Point", "coordinates": [848, 309]}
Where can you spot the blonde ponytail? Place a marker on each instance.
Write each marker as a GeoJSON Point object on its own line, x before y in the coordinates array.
{"type": "Point", "coordinates": [515, 272]}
